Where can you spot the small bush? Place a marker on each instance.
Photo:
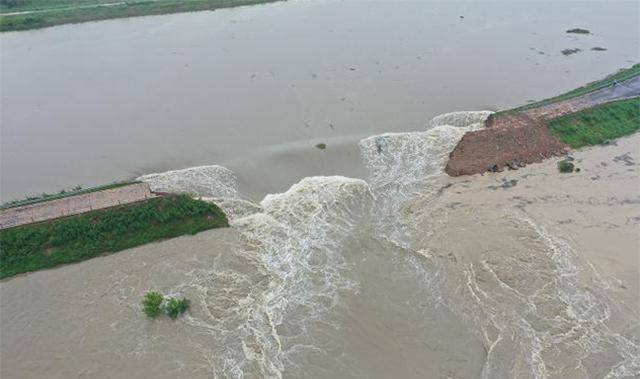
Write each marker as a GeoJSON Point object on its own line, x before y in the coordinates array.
{"type": "Point", "coordinates": [565, 166]}
{"type": "Point", "coordinates": [152, 303]}
{"type": "Point", "coordinates": [175, 307]}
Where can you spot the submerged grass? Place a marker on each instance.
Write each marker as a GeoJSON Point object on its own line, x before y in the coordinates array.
{"type": "Point", "coordinates": [77, 238]}
{"type": "Point", "coordinates": [44, 13]}
{"type": "Point", "coordinates": [621, 75]}
{"type": "Point", "coordinates": [596, 125]}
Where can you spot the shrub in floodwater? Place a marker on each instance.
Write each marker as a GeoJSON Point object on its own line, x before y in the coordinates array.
{"type": "Point", "coordinates": [565, 166]}
{"type": "Point", "coordinates": [152, 304]}
{"type": "Point", "coordinates": [321, 146]}
{"type": "Point", "coordinates": [175, 307]}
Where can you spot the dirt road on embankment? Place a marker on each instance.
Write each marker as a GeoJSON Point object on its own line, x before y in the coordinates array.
{"type": "Point", "coordinates": [514, 139]}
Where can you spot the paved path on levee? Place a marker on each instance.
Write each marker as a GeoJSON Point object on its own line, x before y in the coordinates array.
{"type": "Point", "coordinates": [74, 205]}
{"type": "Point", "coordinates": [617, 91]}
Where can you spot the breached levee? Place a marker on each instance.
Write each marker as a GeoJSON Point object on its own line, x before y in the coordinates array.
{"type": "Point", "coordinates": [535, 306]}
{"type": "Point", "coordinates": [212, 183]}
{"type": "Point", "coordinates": [401, 165]}
{"type": "Point", "coordinates": [464, 119]}
{"type": "Point", "coordinates": [295, 272]}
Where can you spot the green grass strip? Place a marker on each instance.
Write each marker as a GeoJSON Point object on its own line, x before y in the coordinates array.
{"type": "Point", "coordinates": [58, 12]}
{"type": "Point", "coordinates": [62, 194]}
{"type": "Point", "coordinates": [596, 125]}
{"type": "Point", "coordinates": [77, 238]}
{"type": "Point", "coordinates": [620, 76]}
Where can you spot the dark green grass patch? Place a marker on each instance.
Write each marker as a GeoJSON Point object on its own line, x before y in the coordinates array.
{"type": "Point", "coordinates": [76, 238]}
{"type": "Point", "coordinates": [596, 125]}
{"type": "Point", "coordinates": [44, 13]}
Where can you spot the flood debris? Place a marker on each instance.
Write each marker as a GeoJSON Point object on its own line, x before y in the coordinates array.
{"type": "Point", "coordinates": [579, 31]}
{"type": "Point", "coordinates": [598, 48]}
{"type": "Point", "coordinates": [566, 52]}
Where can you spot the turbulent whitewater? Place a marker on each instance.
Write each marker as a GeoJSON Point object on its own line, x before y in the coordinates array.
{"type": "Point", "coordinates": [404, 273]}
{"type": "Point", "coordinates": [537, 308]}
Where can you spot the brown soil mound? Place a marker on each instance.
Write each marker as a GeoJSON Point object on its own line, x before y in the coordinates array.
{"type": "Point", "coordinates": [513, 139]}
{"type": "Point", "coordinates": [493, 149]}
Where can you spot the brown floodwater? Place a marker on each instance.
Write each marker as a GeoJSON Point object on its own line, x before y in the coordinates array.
{"type": "Point", "coordinates": [256, 88]}
{"type": "Point", "coordinates": [362, 260]}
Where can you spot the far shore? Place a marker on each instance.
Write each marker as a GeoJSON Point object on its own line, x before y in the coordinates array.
{"type": "Point", "coordinates": [18, 15]}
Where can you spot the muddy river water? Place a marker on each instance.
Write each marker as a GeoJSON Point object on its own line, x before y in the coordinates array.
{"type": "Point", "coordinates": [361, 260]}
{"type": "Point", "coordinates": [256, 88]}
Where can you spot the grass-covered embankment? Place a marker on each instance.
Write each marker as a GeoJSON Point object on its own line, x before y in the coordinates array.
{"type": "Point", "coordinates": [73, 239]}
{"type": "Point", "coordinates": [621, 75]}
{"type": "Point", "coordinates": [33, 14]}
{"type": "Point", "coordinates": [596, 125]}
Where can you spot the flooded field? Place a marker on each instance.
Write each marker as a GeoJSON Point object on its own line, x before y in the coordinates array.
{"type": "Point", "coordinates": [361, 260]}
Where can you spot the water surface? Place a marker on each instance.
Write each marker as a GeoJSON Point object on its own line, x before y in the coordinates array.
{"type": "Point", "coordinates": [255, 88]}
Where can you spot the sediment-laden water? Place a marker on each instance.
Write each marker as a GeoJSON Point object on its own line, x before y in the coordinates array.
{"type": "Point", "coordinates": [254, 89]}
{"type": "Point", "coordinates": [383, 267]}
{"type": "Point", "coordinates": [408, 273]}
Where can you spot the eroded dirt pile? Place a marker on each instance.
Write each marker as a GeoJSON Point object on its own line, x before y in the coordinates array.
{"type": "Point", "coordinates": [493, 149]}
{"type": "Point", "coordinates": [513, 139]}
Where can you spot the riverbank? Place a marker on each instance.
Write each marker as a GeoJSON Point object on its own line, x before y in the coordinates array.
{"type": "Point", "coordinates": [515, 138]}
{"type": "Point", "coordinates": [79, 237]}
{"type": "Point", "coordinates": [24, 14]}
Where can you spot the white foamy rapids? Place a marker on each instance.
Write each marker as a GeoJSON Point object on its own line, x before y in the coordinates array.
{"type": "Point", "coordinates": [401, 165]}
{"type": "Point", "coordinates": [213, 183]}
{"type": "Point", "coordinates": [464, 119]}
{"type": "Point", "coordinates": [541, 313]}
{"type": "Point", "coordinates": [205, 181]}
{"type": "Point", "coordinates": [298, 239]}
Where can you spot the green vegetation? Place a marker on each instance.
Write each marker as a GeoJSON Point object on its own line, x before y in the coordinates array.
{"type": "Point", "coordinates": [76, 238]}
{"type": "Point", "coordinates": [152, 304]}
{"type": "Point", "coordinates": [579, 31]}
{"type": "Point", "coordinates": [596, 125]}
{"type": "Point", "coordinates": [33, 14]}
{"type": "Point", "coordinates": [565, 166]}
{"type": "Point", "coordinates": [321, 146]}
{"type": "Point", "coordinates": [621, 75]}
{"type": "Point", "coordinates": [175, 307]}
{"type": "Point", "coordinates": [77, 190]}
